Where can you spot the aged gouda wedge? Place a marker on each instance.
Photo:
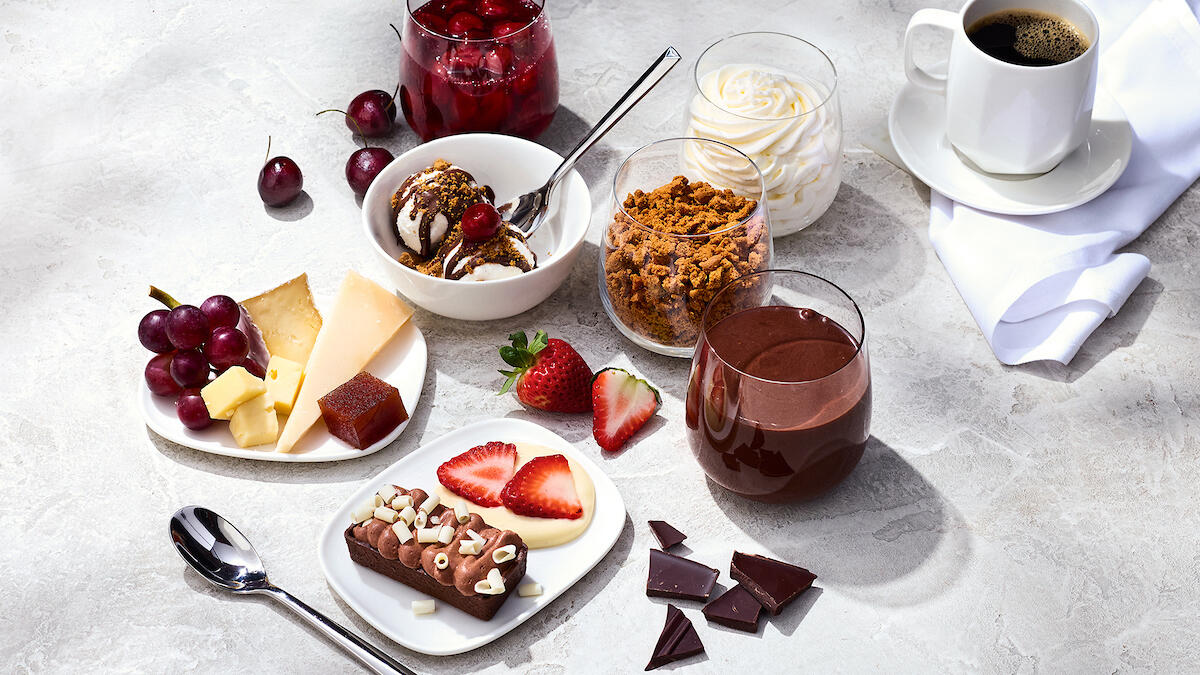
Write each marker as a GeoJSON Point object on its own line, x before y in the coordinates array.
{"type": "Point", "coordinates": [254, 422]}
{"type": "Point", "coordinates": [287, 318]}
{"type": "Point", "coordinates": [364, 319]}
{"type": "Point", "coordinates": [283, 382]}
{"type": "Point", "coordinates": [232, 388]}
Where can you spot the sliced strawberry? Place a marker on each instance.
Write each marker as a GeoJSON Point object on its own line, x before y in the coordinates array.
{"type": "Point", "coordinates": [544, 488]}
{"type": "Point", "coordinates": [480, 473]}
{"type": "Point", "coordinates": [621, 404]}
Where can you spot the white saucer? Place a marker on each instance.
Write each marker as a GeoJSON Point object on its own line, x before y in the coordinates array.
{"type": "Point", "coordinates": [917, 126]}
{"type": "Point", "coordinates": [401, 364]}
{"type": "Point", "coordinates": [387, 604]}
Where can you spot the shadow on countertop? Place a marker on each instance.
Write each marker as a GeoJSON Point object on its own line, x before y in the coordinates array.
{"type": "Point", "coordinates": [1116, 332]}
{"type": "Point", "coordinates": [885, 534]}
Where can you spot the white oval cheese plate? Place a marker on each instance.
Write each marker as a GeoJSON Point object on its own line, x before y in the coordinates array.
{"type": "Point", "coordinates": [401, 364]}
{"type": "Point", "coordinates": [386, 603]}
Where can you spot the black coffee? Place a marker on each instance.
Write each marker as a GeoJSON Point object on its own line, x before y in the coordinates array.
{"type": "Point", "coordinates": [1028, 37]}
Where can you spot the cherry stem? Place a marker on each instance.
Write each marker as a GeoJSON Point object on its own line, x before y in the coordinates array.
{"type": "Point", "coordinates": [265, 159]}
{"type": "Point", "coordinates": [392, 104]}
{"type": "Point", "coordinates": [354, 121]}
{"type": "Point", "coordinates": [398, 37]}
{"type": "Point", "coordinates": [163, 297]}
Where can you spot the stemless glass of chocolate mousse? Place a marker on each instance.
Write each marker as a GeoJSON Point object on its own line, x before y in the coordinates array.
{"type": "Point", "coordinates": [676, 238]}
{"type": "Point", "coordinates": [478, 65]}
{"type": "Point", "coordinates": [778, 402]}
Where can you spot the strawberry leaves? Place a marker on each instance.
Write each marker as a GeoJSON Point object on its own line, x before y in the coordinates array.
{"type": "Point", "coordinates": [520, 355]}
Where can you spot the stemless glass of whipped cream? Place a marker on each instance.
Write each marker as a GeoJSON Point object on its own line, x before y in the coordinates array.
{"type": "Point", "coordinates": [773, 97]}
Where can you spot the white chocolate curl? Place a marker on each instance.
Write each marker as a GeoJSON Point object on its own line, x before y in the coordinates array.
{"type": "Point", "coordinates": [504, 554]}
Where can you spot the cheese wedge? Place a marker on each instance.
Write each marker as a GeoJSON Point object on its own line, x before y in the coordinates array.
{"type": "Point", "coordinates": [364, 319]}
{"type": "Point", "coordinates": [287, 318]}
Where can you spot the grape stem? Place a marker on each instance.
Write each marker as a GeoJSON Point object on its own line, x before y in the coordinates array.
{"type": "Point", "coordinates": [163, 297]}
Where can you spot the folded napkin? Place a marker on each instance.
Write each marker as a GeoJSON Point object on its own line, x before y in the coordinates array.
{"type": "Point", "coordinates": [1039, 285]}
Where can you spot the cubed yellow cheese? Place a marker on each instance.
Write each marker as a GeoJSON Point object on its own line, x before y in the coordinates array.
{"type": "Point", "coordinates": [231, 389]}
{"type": "Point", "coordinates": [254, 422]}
{"type": "Point", "coordinates": [283, 382]}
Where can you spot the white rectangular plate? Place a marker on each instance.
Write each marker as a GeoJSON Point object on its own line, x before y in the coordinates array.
{"type": "Point", "coordinates": [387, 604]}
{"type": "Point", "coordinates": [401, 364]}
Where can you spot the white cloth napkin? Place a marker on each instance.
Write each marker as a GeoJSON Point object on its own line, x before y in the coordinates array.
{"type": "Point", "coordinates": [1039, 285]}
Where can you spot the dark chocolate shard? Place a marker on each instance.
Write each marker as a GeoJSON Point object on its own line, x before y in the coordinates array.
{"type": "Point", "coordinates": [773, 583]}
{"type": "Point", "coordinates": [672, 576]}
{"type": "Point", "coordinates": [678, 640]}
{"type": "Point", "coordinates": [667, 536]}
{"type": "Point", "coordinates": [735, 608]}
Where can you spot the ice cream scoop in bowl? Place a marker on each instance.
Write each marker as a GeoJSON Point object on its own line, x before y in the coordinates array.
{"type": "Point", "coordinates": [509, 166]}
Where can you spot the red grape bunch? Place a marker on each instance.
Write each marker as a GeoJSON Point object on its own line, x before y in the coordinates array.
{"type": "Point", "coordinates": [190, 344]}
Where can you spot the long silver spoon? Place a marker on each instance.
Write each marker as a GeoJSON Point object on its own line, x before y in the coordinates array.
{"type": "Point", "coordinates": [529, 210]}
{"type": "Point", "coordinates": [223, 556]}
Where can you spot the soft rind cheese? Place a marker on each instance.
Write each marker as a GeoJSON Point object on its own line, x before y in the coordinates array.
{"type": "Point", "coordinates": [364, 319]}
{"type": "Point", "coordinates": [231, 389]}
{"type": "Point", "coordinates": [288, 319]}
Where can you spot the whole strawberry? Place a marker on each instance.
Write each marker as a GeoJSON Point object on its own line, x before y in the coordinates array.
{"type": "Point", "coordinates": [549, 374]}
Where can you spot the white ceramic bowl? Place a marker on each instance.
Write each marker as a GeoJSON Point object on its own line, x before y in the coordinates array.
{"type": "Point", "coordinates": [512, 166]}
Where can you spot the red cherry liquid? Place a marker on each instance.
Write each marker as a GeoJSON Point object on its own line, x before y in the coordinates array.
{"type": "Point", "coordinates": [478, 65]}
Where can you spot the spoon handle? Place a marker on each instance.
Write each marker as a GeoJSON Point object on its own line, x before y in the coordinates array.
{"type": "Point", "coordinates": [371, 656]}
{"type": "Point", "coordinates": [639, 90]}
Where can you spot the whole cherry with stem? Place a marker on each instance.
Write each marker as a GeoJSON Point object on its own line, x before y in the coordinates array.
{"type": "Point", "coordinates": [280, 180]}
{"type": "Point", "coordinates": [365, 163]}
{"type": "Point", "coordinates": [373, 111]}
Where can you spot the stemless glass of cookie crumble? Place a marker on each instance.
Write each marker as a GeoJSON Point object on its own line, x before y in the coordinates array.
{"type": "Point", "coordinates": [676, 238]}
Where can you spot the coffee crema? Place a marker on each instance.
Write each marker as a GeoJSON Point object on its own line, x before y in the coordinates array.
{"type": "Point", "coordinates": [1027, 37]}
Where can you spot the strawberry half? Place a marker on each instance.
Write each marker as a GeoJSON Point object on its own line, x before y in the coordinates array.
{"type": "Point", "coordinates": [621, 404]}
{"type": "Point", "coordinates": [544, 488]}
{"type": "Point", "coordinates": [549, 374]}
{"type": "Point", "coordinates": [480, 473]}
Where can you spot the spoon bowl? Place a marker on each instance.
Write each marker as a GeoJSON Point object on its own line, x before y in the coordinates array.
{"type": "Point", "coordinates": [226, 558]}
{"type": "Point", "coordinates": [218, 550]}
{"type": "Point", "coordinates": [527, 211]}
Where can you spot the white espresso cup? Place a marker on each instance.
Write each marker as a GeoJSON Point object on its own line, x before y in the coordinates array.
{"type": "Point", "coordinates": [1009, 118]}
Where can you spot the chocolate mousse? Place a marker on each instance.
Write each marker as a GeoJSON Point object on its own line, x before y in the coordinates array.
{"type": "Point", "coordinates": [772, 582]}
{"type": "Point", "coordinates": [677, 641]}
{"type": "Point", "coordinates": [447, 553]}
{"type": "Point", "coordinates": [672, 576]}
{"type": "Point", "coordinates": [779, 405]}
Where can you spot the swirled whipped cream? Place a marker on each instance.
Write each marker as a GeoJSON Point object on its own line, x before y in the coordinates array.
{"type": "Point", "coordinates": [784, 123]}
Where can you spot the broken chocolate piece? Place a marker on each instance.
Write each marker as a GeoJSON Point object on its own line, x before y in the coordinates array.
{"type": "Point", "coordinates": [667, 536]}
{"type": "Point", "coordinates": [735, 608]}
{"type": "Point", "coordinates": [678, 640]}
{"type": "Point", "coordinates": [773, 583]}
{"type": "Point", "coordinates": [672, 576]}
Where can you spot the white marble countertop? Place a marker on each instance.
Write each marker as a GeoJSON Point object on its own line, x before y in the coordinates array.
{"type": "Point", "coordinates": [1037, 518]}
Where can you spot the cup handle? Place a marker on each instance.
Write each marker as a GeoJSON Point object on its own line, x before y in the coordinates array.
{"type": "Point", "coordinates": [937, 18]}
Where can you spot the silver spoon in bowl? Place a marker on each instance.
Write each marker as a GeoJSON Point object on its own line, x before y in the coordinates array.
{"type": "Point", "coordinates": [527, 212]}
{"type": "Point", "coordinates": [223, 556]}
